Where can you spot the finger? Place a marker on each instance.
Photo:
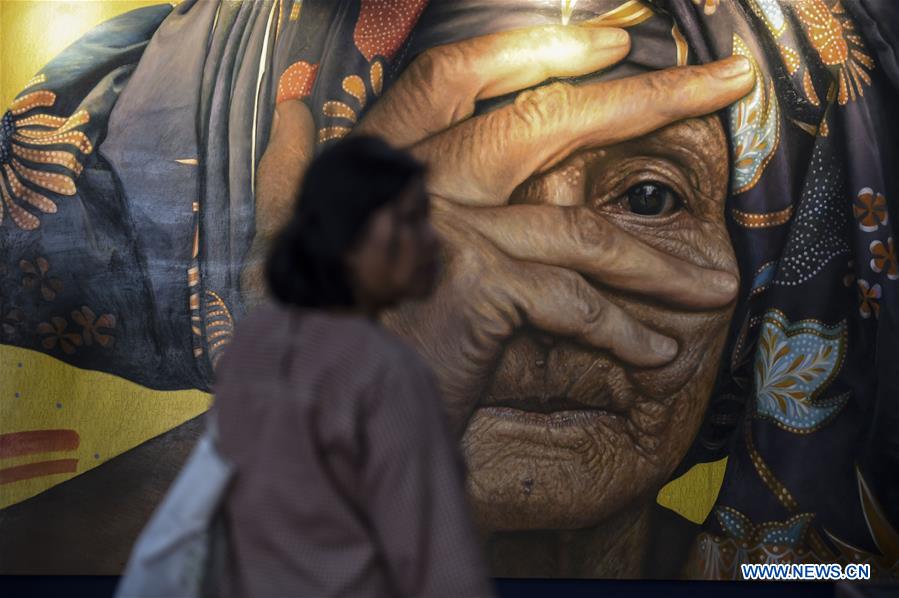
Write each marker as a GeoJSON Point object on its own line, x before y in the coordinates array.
{"type": "Point", "coordinates": [579, 239]}
{"type": "Point", "coordinates": [442, 85]}
{"type": "Point", "coordinates": [281, 168]}
{"type": "Point", "coordinates": [483, 159]}
{"type": "Point", "coordinates": [277, 184]}
{"type": "Point", "coordinates": [565, 304]}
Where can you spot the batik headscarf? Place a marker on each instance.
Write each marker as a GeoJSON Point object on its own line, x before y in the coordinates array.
{"type": "Point", "coordinates": [806, 407]}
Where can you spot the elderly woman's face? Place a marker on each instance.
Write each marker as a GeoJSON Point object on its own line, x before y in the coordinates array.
{"type": "Point", "coordinates": [585, 293]}
{"type": "Point", "coordinates": [565, 435]}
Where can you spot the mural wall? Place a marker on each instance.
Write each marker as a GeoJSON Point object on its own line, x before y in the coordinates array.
{"type": "Point", "coordinates": [145, 167]}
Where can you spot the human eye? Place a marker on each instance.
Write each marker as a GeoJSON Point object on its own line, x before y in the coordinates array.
{"type": "Point", "coordinates": [647, 189]}
{"type": "Point", "coordinates": [651, 199]}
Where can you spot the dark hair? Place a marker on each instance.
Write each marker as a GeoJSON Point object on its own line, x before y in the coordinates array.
{"type": "Point", "coordinates": [341, 190]}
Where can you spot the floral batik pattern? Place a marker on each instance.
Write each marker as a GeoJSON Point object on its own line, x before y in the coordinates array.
{"type": "Point", "coordinates": [812, 345]}
{"type": "Point", "coordinates": [771, 542]}
{"type": "Point", "coordinates": [755, 123]}
{"type": "Point", "coordinates": [39, 155]}
{"type": "Point", "coordinates": [380, 30]}
{"type": "Point", "coordinates": [795, 362]}
{"type": "Point", "coordinates": [877, 273]}
{"type": "Point", "coordinates": [793, 541]}
{"type": "Point", "coordinates": [870, 209]}
{"type": "Point", "coordinates": [833, 36]}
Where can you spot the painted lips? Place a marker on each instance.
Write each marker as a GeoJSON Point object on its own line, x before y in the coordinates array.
{"type": "Point", "coordinates": [554, 419]}
{"type": "Point", "coordinates": [543, 411]}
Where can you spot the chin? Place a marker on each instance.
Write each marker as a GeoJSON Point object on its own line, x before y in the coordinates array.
{"type": "Point", "coordinates": [584, 438]}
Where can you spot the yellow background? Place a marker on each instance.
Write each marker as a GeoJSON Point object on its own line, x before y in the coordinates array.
{"type": "Point", "coordinates": [110, 414]}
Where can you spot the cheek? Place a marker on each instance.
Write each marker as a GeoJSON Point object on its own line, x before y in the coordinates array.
{"type": "Point", "coordinates": [685, 384]}
{"type": "Point", "coordinates": [700, 337]}
{"type": "Point", "coordinates": [704, 243]}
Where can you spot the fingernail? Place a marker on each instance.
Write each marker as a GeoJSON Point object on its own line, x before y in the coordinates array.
{"type": "Point", "coordinates": [663, 346]}
{"type": "Point", "coordinates": [617, 37]}
{"type": "Point", "coordinates": [734, 66]}
{"type": "Point", "coordinates": [726, 283]}
{"type": "Point", "coordinates": [608, 37]}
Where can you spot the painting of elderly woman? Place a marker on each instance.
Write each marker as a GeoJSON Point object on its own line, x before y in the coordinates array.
{"type": "Point", "coordinates": [668, 237]}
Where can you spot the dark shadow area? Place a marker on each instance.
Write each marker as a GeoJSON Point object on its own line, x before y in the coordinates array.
{"type": "Point", "coordinates": [89, 523]}
{"type": "Point", "coordinates": [104, 586]}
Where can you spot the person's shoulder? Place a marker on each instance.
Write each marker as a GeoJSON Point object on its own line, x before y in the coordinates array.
{"type": "Point", "coordinates": [386, 351]}
{"type": "Point", "coordinates": [258, 330]}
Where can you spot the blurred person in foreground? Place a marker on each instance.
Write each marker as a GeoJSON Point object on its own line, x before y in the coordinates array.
{"type": "Point", "coordinates": [349, 481]}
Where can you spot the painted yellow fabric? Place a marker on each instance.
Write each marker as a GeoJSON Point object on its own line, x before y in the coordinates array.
{"type": "Point", "coordinates": [693, 494]}
{"type": "Point", "coordinates": [110, 414]}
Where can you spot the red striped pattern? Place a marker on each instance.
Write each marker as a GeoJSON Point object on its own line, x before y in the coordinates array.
{"type": "Point", "coordinates": [37, 441]}
{"type": "Point", "coordinates": [34, 470]}
{"type": "Point", "coordinates": [34, 442]}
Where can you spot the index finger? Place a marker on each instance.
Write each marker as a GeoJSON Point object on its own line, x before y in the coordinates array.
{"type": "Point", "coordinates": [483, 159]}
{"type": "Point", "coordinates": [579, 239]}
{"type": "Point", "coordinates": [442, 84]}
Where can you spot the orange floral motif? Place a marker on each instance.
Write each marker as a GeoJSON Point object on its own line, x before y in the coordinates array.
{"type": "Point", "coordinates": [833, 35]}
{"type": "Point", "coordinates": [92, 325]}
{"type": "Point", "coordinates": [30, 136]}
{"type": "Point", "coordinates": [870, 295]}
{"type": "Point", "coordinates": [353, 85]}
{"type": "Point", "coordinates": [384, 24]}
{"type": "Point", "coordinates": [376, 76]}
{"type": "Point", "coordinates": [57, 335]}
{"type": "Point", "coordinates": [870, 209]}
{"type": "Point", "coordinates": [36, 275]}
{"type": "Point", "coordinates": [884, 259]}
{"type": "Point", "coordinates": [296, 81]}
